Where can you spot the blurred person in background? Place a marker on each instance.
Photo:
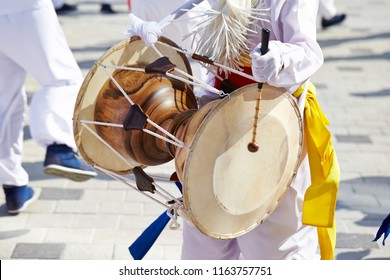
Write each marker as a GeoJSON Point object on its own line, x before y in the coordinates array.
{"type": "Point", "coordinates": [36, 45]}
{"type": "Point", "coordinates": [62, 7]}
{"type": "Point", "coordinates": [329, 14]}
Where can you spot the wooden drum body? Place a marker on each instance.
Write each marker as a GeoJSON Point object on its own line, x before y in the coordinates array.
{"type": "Point", "coordinates": [100, 100]}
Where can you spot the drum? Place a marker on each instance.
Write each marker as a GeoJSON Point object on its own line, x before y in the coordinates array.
{"type": "Point", "coordinates": [227, 190]}
{"type": "Point", "coordinates": [100, 100]}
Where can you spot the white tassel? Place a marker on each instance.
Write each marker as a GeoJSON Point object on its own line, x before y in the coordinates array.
{"type": "Point", "coordinates": [224, 32]}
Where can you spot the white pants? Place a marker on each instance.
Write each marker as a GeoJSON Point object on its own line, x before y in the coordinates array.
{"type": "Point", "coordinates": [280, 236]}
{"type": "Point", "coordinates": [327, 9]}
{"type": "Point", "coordinates": [36, 45]}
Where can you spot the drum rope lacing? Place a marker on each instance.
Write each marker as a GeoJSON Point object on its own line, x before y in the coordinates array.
{"type": "Point", "coordinates": [198, 82]}
{"type": "Point", "coordinates": [85, 125]}
{"type": "Point", "coordinates": [171, 201]}
{"type": "Point", "coordinates": [159, 190]}
{"type": "Point", "coordinates": [173, 204]}
{"type": "Point", "coordinates": [175, 141]}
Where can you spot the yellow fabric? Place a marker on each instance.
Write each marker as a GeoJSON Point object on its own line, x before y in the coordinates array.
{"type": "Point", "coordinates": [246, 60]}
{"type": "Point", "coordinates": [319, 203]}
{"type": "Point", "coordinates": [327, 241]}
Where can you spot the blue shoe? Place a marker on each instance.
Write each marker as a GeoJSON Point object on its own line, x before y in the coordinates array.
{"type": "Point", "coordinates": [337, 19]}
{"type": "Point", "coordinates": [18, 198]}
{"type": "Point", "coordinates": [62, 161]}
{"type": "Point", "coordinates": [107, 9]}
{"type": "Point", "coordinates": [65, 9]}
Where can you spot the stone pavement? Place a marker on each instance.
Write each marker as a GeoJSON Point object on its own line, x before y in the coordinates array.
{"type": "Point", "coordinates": [99, 219]}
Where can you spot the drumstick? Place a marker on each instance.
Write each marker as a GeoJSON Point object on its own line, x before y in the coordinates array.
{"type": "Point", "coordinates": [178, 12]}
{"type": "Point", "coordinates": [253, 146]}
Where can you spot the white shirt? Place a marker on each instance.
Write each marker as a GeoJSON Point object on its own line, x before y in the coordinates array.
{"type": "Point", "coordinates": [296, 36]}
{"type": "Point", "coordinates": [16, 6]}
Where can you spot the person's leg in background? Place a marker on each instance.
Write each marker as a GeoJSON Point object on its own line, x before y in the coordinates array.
{"type": "Point", "coordinates": [329, 15]}
{"type": "Point", "coordinates": [13, 177]}
{"type": "Point", "coordinates": [63, 8]}
{"type": "Point", "coordinates": [50, 61]}
{"type": "Point", "coordinates": [106, 7]}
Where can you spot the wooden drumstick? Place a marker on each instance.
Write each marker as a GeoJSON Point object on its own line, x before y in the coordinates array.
{"type": "Point", "coordinates": [253, 146]}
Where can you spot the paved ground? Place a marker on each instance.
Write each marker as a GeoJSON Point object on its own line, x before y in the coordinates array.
{"type": "Point", "coordinates": [100, 218]}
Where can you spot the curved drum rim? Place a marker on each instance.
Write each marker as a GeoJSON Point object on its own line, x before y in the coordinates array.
{"type": "Point", "coordinates": [198, 214]}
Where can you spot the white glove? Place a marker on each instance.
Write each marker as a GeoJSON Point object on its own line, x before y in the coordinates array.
{"type": "Point", "coordinates": [149, 31]}
{"type": "Point", "coordinates": [266, 67]}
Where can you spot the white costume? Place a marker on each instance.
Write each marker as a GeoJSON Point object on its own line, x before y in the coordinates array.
{"type": "Point", "coordinates": [294, 56]}
{"type": "Point", "coordinates": [36, 45]}
{"type": "Point", "coordinates": [156, 10]}
{"type": "Point", "coordinates": [282, 236]}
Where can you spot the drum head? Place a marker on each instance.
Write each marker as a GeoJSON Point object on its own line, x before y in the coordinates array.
{"type": "Point", "coordinates": [228, 190]}
{"type": "Point", "coordinates": [128, 52]}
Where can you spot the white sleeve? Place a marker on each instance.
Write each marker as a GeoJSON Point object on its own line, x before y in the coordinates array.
{"type": "Point", "coordinates": [294, 27]}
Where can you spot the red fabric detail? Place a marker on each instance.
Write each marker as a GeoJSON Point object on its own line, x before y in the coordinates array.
{"type": "Point", "coordinates": [236, 79]}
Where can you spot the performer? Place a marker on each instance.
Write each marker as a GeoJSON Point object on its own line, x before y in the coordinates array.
{"type": "Point", "coordinates": [305, 217]}
{"type": "Point", "coordinates": [36, 45]}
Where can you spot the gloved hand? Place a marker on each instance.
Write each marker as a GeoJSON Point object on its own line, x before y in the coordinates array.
{"type": "Point", "coordinates": [149, 31]}
{"type": "Point", "coordinates": [267, 66]}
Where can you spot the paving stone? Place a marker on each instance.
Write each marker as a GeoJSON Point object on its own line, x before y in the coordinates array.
{"type": "Point", "coordinates": [6, 250]}
{"type": "Point", "coordinates": [95, 221]}
{"type": "Point", "coordinates": [121, 252]}
{"type": "Point", "coordinates": [23, 235]}
{"type": "Point", "coordinates": [135, 221]}
{"type": "Point", "coordinates": [61, 194]}
{"type": "Point", "coordinates": [355, 241]}
{"type": "Point", "coordinates": [10, 234]}
{"type": "Point", "coordinates": [69, 235]}
{"type": "Point", "coordinates": [88, 252]}
{"type": "Point", "coordinates": [104, 195]}
{"type": "Point", "coordinates": [112, 236]}
{"type": "Point", "coordinates": [49, 220]}
{"type": "Point", "coordinates": [354, 138]}
{"type": "Point", "coordinates": [37, 251]}
{"type": "Point", "coordinates": [172, 252]}
{"type": "Point", "coordinates": [10, 222]}
{"type": "Point", "coordinates": [42, 206]}
{"type": "Point", "coordinates": [80, 207]}
{"type": "Point", "coordinates": [352, 254]}
{"type": "Point", "coordinates": [119, 207]}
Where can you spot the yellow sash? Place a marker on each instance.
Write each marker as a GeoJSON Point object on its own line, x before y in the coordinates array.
{"type": "Point", "coordinates": [319, 203]}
